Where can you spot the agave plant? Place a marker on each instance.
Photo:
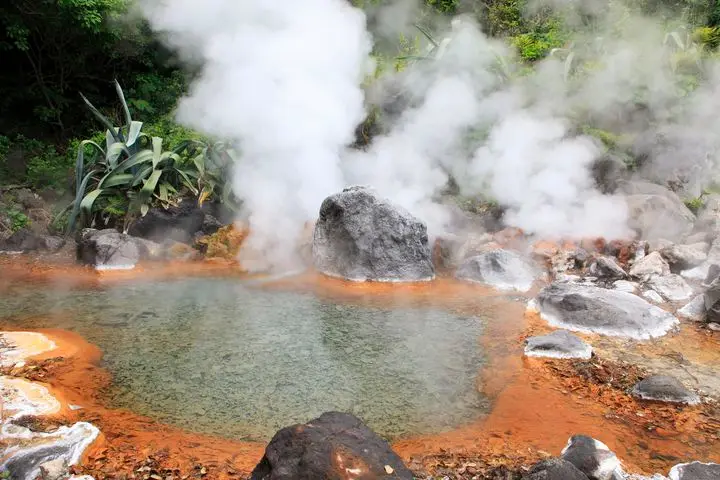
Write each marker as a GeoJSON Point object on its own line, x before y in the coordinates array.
{"type": "Point", "coordinates": [136, 165]}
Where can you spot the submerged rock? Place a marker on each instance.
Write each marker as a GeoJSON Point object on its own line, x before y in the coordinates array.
{"type": "Point", "coordinates": [501, 269]}
{"type": "Point", "coordinates": [335, 445]}
{"type": "Point", "coordinates": [592, 309]}
{"type": "Point", "coordinates": [651, 264]}
{"type": "Point", "coordinates": [592, 457]}
{"type": "Point", "coordinates": [695, 471]}
{"type": "Point", "coordinates": [555, 469]}
{"type": "Point", "coordinates": [360, 236]}
{"type": "Point", "coordinates": [558, 344]}
{"type": "Point", "coordinates": [672, 287]}
{"type": "Point", "coordinates": [664, 388]}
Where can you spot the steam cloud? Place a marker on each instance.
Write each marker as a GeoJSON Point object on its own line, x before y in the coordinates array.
{"type": "Point", "coordinates": [283, 79]}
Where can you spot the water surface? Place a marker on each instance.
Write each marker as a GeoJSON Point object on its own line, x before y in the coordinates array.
{"type": "Point", "coordinates": [224, 357]}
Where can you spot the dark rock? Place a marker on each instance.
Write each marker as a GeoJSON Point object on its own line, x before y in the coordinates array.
{"type": "Point", "coordinates": [695, 471]}
{"type": "Point", "coordinates": [591, 457]}
{"type": "Point", "coordinates": [360, 236]}
{"type": "Point", "coordinates": [558, 344]}
{"type": "Point", "coordinates": [501, 269]}
{"type": "Point", "coordinates": [179, 223]}
{"type": "Point", "coordinates": [555, 469]}
{"type": "Point", "coordinates": [664, 388]}
{"type": "Point", "coordinates": [111, 249]}
{"type": "Point", "coordinates": [588, 308]}
{"type": "Point", "coordinates": [607, 267]}
{"type": "Point", "coordinates": [25, 240]}
{"type": "Point", "coordinates": [210, 225]}
{"type": "Point", "coordinates": [333, 446]}
{"type": "Point", "coordinates": [28, 199]}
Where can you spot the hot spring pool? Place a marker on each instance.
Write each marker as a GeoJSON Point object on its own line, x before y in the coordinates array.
{"type": "Point", "coordinates": [224, 357]}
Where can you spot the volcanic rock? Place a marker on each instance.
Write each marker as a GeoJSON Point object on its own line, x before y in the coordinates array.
{"type": "Point", "coordinates": [111, 249]}
{"type": "Point", "coordinates": [694, 310]}
{"type": "Point", "coordinates": [673, 287]}
{"type": "Point", "coordinates": [651, 264]}
{"type": "Point", "coordinates": [663, 388]}
{"type": "Point", "coordinates": [695, 471]}
{"type": "Point", "coordinates": [555, 469]}
{"type": "Point", "coordinates": [501, 269]}
{"type": "Point", "coordinates": [25, 240]}
{"type": "Point", "coordinates": [659, 216]}
{"type": "Point", "coordinates": [607, 267]}
{"type": "Point", "coordinates": [335, 445]}
{"type": "Point", "coordinates": [592, 309]}
{"type": "Point", "coordinates": [683, 257]}
{"type": "Point", "coordinates": [360, 236]}
{"type": "Point", "coordinates": [558, 344]}
{"type": "Point", "coordinates": [179, 223]}
{"type": "Point", "coordinates": [592, 457]}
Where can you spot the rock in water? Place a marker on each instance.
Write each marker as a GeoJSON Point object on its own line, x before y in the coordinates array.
{"type": "Point", "coordinates": [555, 469]}
{"type": "Point", "coordinates": [590, 309]}
{"type": "Point", "coordinates": [360, 236]}
{"type": "Point", "coordinates": [695, 471]}
{"type": "Point", "coordinates": [335, 445]}
{"type": "Point", "coordinates": [558, 344]}
{"type": "Point", "coordinates": [501, 269]}
{"type": "Point", "coordinates": [664, 388]}
{"type": "Point", "coordinates": [591, 457]}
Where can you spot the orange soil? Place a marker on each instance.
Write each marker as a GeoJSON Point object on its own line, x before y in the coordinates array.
{"type": "Point", "coordinates": [534, 410]}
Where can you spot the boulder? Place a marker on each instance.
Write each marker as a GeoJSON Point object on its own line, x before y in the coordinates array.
{"type": "Point", "coordinates": [695, 471]}
{"type": "Point", "coordinates": [179, 223]}
{"type": "Point", "coordinates": [558, 344]}
{"type": "Point", "coordinates": [708, 218]}
{"type": "Point", "coordinates": [501, 269]}
{"type": "Point", "coordinates": [683, 257]}
{"type": "Point", "coordinates": [360, 236]}
{"type": "Point", "coordinates": [672, 287]}
{"type": "Point", "coordinates": [25, 240]}
{"type": "Point", "coordinates": [653, 296]}
{"type": "Point", "coordinates": [607, 267]}
{"type": "Point", "coordinates": [111, 249]}
{"type": "Point", "coordinates": [625, 286]}
{"type": "Point", "coordinates": [651, 264]}
{"type": "Point", "coordinates": [335, 445]}
{"type": "Point", "coordinates": [694, 310]}
{"type": "Point", "coordinates": [592, 457]}
{"type": "Point", "coordinates": [659, 216]}
{"type": "Point", "coordinates": [555, 469]}
{"type": "Point", "coordinates": [592, 309]}
{"type": "Point", "coordinates": [664, 388]}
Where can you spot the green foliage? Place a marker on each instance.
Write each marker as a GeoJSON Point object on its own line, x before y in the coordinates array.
{"type": "Point", "coordinates": [444, 6]}
{"type": "Point", "coordinates": [18, 219]}
{"type": "Point", "coordinates": [134, 171]}
{"type": "Point", "coordinates": [694, 204]}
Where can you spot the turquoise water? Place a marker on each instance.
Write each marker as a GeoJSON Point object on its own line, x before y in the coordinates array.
{"type": "Point", "coordinates": [223, 357]}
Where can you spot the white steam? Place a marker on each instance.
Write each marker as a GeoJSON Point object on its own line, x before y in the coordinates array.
{"type": "Point", "coordinates": [283, 79]}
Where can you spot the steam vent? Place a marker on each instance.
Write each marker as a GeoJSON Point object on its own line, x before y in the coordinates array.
{"type": "Point", "coordinates": [363, 237]}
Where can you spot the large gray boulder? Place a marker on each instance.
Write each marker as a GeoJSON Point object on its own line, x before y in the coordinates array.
{"type": "Point", "coordinates": [656, 212]}
{"type": "Point", "coordinates": [110, 249]}
{"type": "Point", "coordinates": [591, 309]}
{"type": "Point", "coordinates": [501, 269]}
{"type": "Point", "coordinates": [360, 236]}
{"type": "Point", "coordinates": [335, 445]}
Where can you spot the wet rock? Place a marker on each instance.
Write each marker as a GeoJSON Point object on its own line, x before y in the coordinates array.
{"type": "Point", "coordinates": [651, 264]}
{"type": "Point", "coordinates": [664, 388]}
{"type": "Point", "coordinates": [597, 310]}
{"type": "Point", "coordinates": [683, 257]}
{"type": "Point", "coordinates": [672, 287]}
{"type": "Point", "coordinates": [450, 250]}
{"type": "Point", "coordinates": [25, 240]}
{"type": "Point", "coordinates": [111, 249]}
{"type": "Point", "coordinates": [659, 216]}
{"type": "Point", "coordinates": [591, 457]}
{"type": "Point", "coordinates": [54, 470]}
{"type": "Point", "coordinates": [501, 269]}
{"type": "Point", "coordinates": [558, 344]}
{"type": "Point", "coordinates": [625, 286]}
{"type": "Point", "coordinates": [179, 223]}
{"type": "Point", "coordinates": [360, 236]}
{"type": "Point", "coordinates": [335, 445]}
{"type": "Point", "coordinates": [555, 469]}
{"type": "Point", "coordinates": [694, 310]}
{"type": "Point", "coordinates": [695, 471]}
{"type": "Point", "coordinates": [67, 443]}
{"type": "Point", "coordinates": [607, 267]}
{"type": "Point", "coordinates": [653, 296]}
